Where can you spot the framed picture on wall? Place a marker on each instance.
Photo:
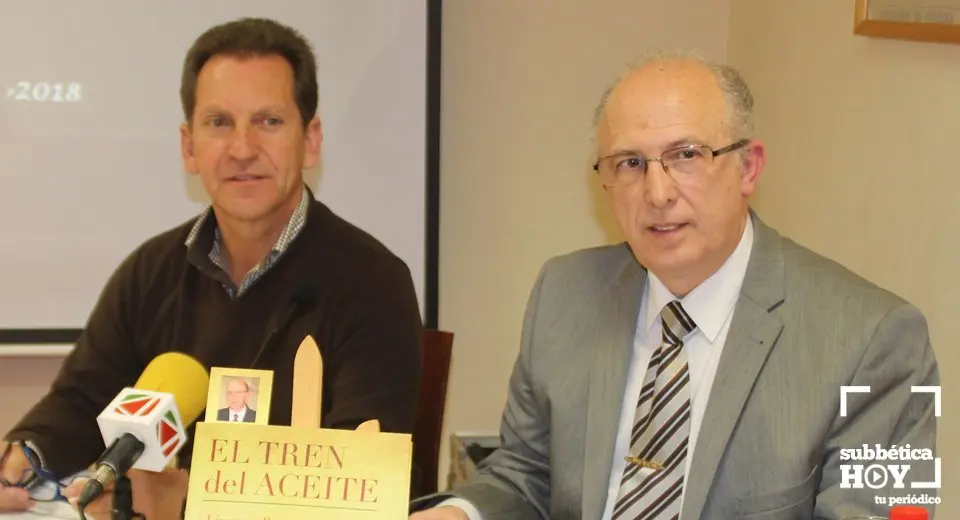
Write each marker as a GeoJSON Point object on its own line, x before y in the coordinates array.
{"type": "Point", "coordinates": [918, 20]}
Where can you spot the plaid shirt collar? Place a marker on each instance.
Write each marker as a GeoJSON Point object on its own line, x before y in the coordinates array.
{"type": "Point", "coordinates": [289, 233]}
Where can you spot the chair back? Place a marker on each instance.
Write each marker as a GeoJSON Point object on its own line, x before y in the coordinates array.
{"type": "Point", "coordinates": [436, 353]}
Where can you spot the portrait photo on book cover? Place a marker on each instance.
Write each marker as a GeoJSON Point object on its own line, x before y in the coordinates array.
{"type": "Point", "coordinates": [239, 395]}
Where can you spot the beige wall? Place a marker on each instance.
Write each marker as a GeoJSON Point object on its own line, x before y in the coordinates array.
{"type": "Point", "coordinates": [520, 81]}
{"type": "Point", "coordinates": [27, 379]}
{"type": "Point", "coordinates": [861, 160]}
{"type": "Point", "coordinates": [862, 141]}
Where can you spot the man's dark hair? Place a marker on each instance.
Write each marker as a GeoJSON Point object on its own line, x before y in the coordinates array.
{"type": "Point", "coordinates": [249, 37]}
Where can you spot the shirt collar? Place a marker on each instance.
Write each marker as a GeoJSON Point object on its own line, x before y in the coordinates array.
{"type": "Point", "coordinates": [293, 226]}
{"type": "Point", "coordinates": [711, 302]}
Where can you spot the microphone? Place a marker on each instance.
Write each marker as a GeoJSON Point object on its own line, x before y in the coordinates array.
{"type": "Point", "coordinates": [145, 425]}
{"type": "Point", "coordinates": [302, 299]}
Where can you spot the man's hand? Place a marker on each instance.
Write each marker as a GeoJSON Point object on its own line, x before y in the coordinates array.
{"type": "Point", "coordinates": [13, 467]}
{"type": "Point", "coordinates": [441, 513]}
{"type": "Point", "coordinates": [155, 495]}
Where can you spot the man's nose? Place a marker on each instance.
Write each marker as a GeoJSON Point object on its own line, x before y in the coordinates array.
{"type": "Point", "coordinates": [243, 143]}
{"type": "Point", "coordinates": [660, 188]}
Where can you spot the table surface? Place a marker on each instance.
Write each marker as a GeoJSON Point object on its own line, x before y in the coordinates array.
{"type": "Point", "coordinates": [44, 511]}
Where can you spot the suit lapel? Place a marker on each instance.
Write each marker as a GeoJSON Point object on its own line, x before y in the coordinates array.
{"type": "Point", "coordinates": [616, 327]}
{"type": "Point", "coordinates": [754, 330]}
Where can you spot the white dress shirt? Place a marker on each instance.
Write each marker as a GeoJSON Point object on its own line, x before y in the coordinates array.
{"type": "Point", "coordinates": [237, 416]}
{"type": "Point", "coordinates": [710, 305]}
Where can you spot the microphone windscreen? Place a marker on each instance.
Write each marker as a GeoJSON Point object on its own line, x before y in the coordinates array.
{"type": "Point", "coordinates": [183, 377]}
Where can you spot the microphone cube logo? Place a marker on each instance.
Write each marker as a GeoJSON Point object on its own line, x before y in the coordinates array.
{"type": "Point", "coordinates": [137, 404]}
{"type": "Point", "coordinates": [876, 467]}
{"type": "Point", "coordinates": [150, 416]}
{"type": "Point", "coordinates": [170, 434]}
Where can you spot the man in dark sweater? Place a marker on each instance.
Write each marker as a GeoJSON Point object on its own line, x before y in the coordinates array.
{"type": "Point", "coordinates": [215, 287]}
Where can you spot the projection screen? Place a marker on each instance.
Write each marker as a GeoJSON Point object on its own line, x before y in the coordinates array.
{"type": "Point", "coordinates": [89, 123]}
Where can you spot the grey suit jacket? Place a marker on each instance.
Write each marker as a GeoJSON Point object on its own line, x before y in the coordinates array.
{"type": "Point", "coordinates": [769, 442]}
{"type": "Point", "coordinates": [223, 414]}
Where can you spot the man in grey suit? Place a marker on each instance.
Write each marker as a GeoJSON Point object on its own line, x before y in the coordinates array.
{"type": "Point", "coordinates": [238, 403]}
{"type": "Point", "coordinates": [696, 370]}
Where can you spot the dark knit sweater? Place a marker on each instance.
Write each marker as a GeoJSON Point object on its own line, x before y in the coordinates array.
{"type": "Point", "coordinates": [364, 316]}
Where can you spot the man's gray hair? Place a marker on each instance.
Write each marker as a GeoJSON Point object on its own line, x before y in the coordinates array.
{"type": "Point", "coordinates": [735, 89]}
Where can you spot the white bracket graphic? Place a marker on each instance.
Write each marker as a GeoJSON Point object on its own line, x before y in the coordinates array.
{"type": "Point", "coordinates": [936, 478]}
{"type": "Point", "coordinates": [844, 390]}
{"type": "Point", "coordinates": [935, 390]}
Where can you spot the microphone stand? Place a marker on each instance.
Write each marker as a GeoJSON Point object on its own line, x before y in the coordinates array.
{"type": "Point", "coordinates": [123, 500]}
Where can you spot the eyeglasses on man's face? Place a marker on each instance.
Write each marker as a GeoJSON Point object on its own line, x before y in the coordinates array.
{"type": "Point", "coordinates": [682, 163]}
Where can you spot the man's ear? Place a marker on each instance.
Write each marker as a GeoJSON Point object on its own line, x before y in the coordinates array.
{"type": "Point", "coordinates": [186, 149]}
{"type": "Point", "coordinates": [753, 159]}
{"type": "Point", "coordinates": [313, 137]}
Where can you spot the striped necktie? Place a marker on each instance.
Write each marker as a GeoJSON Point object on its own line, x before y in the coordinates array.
{"type": "Point", "coordinates": [652, 481]}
